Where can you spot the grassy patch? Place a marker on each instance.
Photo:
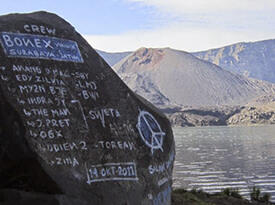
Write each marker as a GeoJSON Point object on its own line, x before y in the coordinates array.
{"type": "Point", "coordinates": [228, 196]}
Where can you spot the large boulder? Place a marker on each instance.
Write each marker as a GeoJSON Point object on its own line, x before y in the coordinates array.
{"type": "Point", "coordinates": [70, 127]}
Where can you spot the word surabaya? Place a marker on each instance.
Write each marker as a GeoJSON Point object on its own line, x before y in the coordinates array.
{"type": "Point", "coordinates": [43, 47]}
{"type": "Point", "coordinates": [112, 172]}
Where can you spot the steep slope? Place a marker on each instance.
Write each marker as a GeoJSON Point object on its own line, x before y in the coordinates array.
{"type": "Point", "coordinates": [144, 86]}
{"type": "Point", "coordinates": [256, 60]}
{"type": "Point", "coordinates": [181, 78]}
{"type": "Point", "coordinates": [112, 58]}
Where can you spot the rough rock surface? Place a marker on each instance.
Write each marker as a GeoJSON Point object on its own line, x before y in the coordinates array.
{"type": "Point", "coordinates": [252, 59]}
{"type": "Point", "coordinates": [71, 130]}
{"type": "Point", "coordinates": [259, 111]}
{"type": "Point", "coordinates": [203, 116]}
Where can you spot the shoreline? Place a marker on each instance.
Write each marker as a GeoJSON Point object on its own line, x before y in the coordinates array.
{"type": "Point", "coordinates": [226, 197]}
{"type": "Point", "coordinates": [227, 126]}
{"type": "Point", "coordinates": [221, 116]}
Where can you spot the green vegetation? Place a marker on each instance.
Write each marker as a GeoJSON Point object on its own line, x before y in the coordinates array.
{"type": "Point", "coordinates": [232, 192]}
{"type": "Point", "coordinates": [228, 196]}
{"type": "Point", "coordinates": [255, 195]}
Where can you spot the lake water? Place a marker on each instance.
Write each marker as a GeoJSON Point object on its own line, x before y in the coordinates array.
{"type": "Point", "coordinates": [215, 158]}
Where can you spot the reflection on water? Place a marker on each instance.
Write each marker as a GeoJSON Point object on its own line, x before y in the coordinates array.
{"type": "Point", "coordinates": [215, 158]}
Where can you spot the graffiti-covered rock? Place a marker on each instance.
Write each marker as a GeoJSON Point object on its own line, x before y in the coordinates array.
{"type": "Point", "coordinates": [69, 126]}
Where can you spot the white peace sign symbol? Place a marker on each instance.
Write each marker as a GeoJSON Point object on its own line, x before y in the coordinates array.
{"type": "Point", "coordinates": [150, 131]}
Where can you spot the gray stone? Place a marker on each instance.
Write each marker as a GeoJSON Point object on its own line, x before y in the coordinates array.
{"type": "Point", "coordinates": [70, 127]}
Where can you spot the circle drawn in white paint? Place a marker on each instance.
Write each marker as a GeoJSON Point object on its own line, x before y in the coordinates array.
{"type": "Point", "coordinates": [150, 131]}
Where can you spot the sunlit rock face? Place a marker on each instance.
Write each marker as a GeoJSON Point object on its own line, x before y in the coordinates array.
{"type": "Point", "coordinates": [253, 59]}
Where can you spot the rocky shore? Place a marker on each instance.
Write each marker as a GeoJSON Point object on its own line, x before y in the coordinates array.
{"type": "Point", "coordinates": [251, 114]}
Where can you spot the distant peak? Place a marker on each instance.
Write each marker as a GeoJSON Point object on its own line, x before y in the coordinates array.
{"type": "Point", "coordinates": [147, 56]}
{"type": "Point", "coordinates": [144, 49]}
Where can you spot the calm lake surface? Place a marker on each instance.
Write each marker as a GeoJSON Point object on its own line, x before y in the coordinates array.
{"type": "Point", "coordinates": [215, 158]}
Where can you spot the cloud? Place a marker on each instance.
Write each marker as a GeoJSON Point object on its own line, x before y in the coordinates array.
{"type": "Point", "coordinates": [186, 6]}
{"type": "Point", "coordinates": [183, 38]}
{"type": "Point", "coordinates": [194, 25]}
{"type": "Point", "coordinates": [217, 13]}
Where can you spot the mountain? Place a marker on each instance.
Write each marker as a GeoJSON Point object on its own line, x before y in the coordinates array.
{"type": "Point", "coordinates": [112, 58]}
{"type": "Point", "coordinates": [254, 59]}
{"type": "Point", "coordinates": [166, 76]}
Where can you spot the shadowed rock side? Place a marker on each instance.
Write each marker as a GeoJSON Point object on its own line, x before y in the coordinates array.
{"type": "Point", "coordinates": [20, 168]}
{"type": "Point", "coordinates": [179, 78]}
{"type": "Point", "coordinates": [71, 131]}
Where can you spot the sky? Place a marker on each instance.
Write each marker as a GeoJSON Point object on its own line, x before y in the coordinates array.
{"type": "Point", "coordinates": [189, 25]}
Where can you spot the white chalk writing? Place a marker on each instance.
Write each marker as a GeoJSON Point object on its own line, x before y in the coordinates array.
{"type": "Point", "coordinates": [150, 131]}
{"type": "Point", "coordinates": [36, 88]}
{"type": "Point", "coordinates": [61, 147]}
{"type": "Point", "coordinates": [44, 134]}
{"type": "Point", "coordinates": [163, 181]}
{"type": "Point", "coordinates": [86, 85]}
{"type": "Point", "coordinates": [38, 46]}
{"type": "Point", "coordinates": [121, 145]}
{"type": "Point", "coordinates": [162, 167]}
{"type": "Point", "coordinates": [102, 113]}
{"type": "Point", "coordinates": [164, 197]}
{"type": "Point", "coordinates": [86, 127]}
{"type": "Point", "coordinates": [59, 123]}
{"type": "Point", "coordinates": [39, 29]}
{"type": "Point", "coordinates": [67, 161]}
{"type": "Point", "coordinates": [86, 95]}
{"type": "Point", "coordinates": [61, 112]}
{"type": "Point", "coordinates": [80, 75]}
{"type": "Point", "coordinates": [125, 171]}
{"type": "Point", "coordinates": [125, 129]}
{"type": "Point", "coordinates": [27, 69]}
{"type": "Point", "coordinates": [49, 80]}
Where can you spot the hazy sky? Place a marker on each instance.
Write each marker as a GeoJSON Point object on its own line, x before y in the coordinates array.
{"type": "Point", "coordinates": [191, 25]}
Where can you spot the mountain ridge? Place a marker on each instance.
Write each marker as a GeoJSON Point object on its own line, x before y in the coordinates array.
{"type": "Point", "coordinates": [251, 59]}
{"type": "Point", "coordinates": [255, 59]}
{"type": "Point", "coordinates": [183, 79]}
{"type": "Point", "coordinates": [113, 58]}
